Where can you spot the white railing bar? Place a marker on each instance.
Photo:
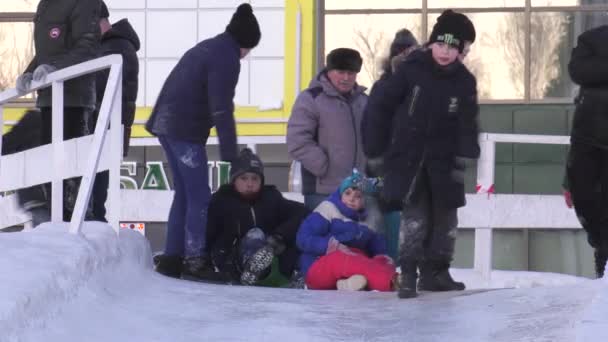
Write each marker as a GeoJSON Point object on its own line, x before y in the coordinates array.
{"type": "Point", "coordinates": [64, 75]}
{"type": "Point", "coordinates": [527, 138]}
{"type": "Point", "coordinates": [58, 153]}
{"type": "Point", "coordinates": [110, 102]}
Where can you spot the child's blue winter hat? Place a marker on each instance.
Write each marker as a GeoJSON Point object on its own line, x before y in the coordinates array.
{"type": "Point", "coordinates": [355, 180]}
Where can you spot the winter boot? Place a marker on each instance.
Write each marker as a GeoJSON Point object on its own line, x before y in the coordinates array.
{"type": "Point", "coordinates": [435, 276]}
{"type": "Point", "coordinates": [257, 265]}
{"type": "Point", "coordinates": [600, 262]}
{"type": "Point", "coordinates": [407, 285]}
{"type": "Point", "coordinates": [355, 282]}
{"type": "Point", "coordinates": [168, 265]}
{"type": "Point", "coordinates": [201, 268]}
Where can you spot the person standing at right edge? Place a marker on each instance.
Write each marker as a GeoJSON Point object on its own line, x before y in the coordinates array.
{"type": "Point", "coordinates": [587, 165]}
{"type": "Point", "coordinates": [198, 95]}
{"type": "Point", "coordinates": [432, 102]}
{"type": "Point", "coordinates": [66, 33]}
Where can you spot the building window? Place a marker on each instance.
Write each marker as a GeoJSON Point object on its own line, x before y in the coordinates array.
{"type": "Point", "coordinates": [521, 52]}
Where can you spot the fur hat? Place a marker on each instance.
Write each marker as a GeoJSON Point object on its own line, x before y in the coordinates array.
{"type": "Point", "coordinates": [103, 12]}
{"type": "Point", "coordinates": [244, 27]}
{"type": "Point", "coordinates": [469, 34]}
{"type": "Point", "coordinates": [246, 161]}
{"type": "Point", "coordinates": [344, 59]}
{"type": "Point", "coordinates": [403, 40]}
{"type": "Point", "coordinates": [449, 29]}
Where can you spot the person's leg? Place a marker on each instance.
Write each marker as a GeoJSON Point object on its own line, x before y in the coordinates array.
{"type": "Point", "coordinates": [434, 269]}
{"type": "Point", "coordinates": [99, 195]}
{"type": "Point", "coordinates": [255, 256]}
{"type": "Point", "coordinates": [414, 228]}
{"type": "Point", "coordinates": [311, 201]}
{"type": "Point", "coordinates": [601, 253]}
{"type": "Point", "coordinates": [174, 243]}
{"type": "Point", "coordinates": [329, 269]}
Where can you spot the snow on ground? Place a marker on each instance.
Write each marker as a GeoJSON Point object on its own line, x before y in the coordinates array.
{"type": "Point", "coordinates": [58, 287]}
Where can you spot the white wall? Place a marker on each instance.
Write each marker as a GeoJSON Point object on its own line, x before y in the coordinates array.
{"type": "Point", "coordinates": [167, 29]}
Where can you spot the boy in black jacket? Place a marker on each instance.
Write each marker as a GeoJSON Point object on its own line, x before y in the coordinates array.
{"type": "Point", "coordinates": [423, 120]}
{"type": "Point", "coordinates": [250, 223]}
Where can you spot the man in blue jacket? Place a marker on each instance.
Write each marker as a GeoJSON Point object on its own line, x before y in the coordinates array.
{"type": "Point", "coordinates": [198, 95]}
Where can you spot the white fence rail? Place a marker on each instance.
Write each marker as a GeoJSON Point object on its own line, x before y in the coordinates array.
{"type": "Point", "coordinates": [27, 168]}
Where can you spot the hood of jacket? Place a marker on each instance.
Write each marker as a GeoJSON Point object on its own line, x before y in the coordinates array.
{"type": "Point", "coordinates": [123, 29]}
{"type": "Point", "coordinates": [356, 215]}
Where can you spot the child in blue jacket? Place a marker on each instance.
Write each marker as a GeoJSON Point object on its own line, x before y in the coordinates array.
{"type": "Point", "coordinates": [339, 250]}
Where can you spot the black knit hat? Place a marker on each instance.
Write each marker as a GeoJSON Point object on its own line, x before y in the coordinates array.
{"type": "Point", "coordinates": [344, 59]}
{"type": "Point", "coordinates": [244, 27]}
{"type": "Point", "coordinates": [449, 29]}
{"type": "Point", "coordinates": [404, 39]}
{"type": "Point", "coordinates": [469, 34]}
{"type": "Point", "coordinates": [103, 12]}
{"type": "Point", "coordinates": [246, 161]}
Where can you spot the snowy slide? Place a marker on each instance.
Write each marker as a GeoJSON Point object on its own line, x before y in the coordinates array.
{"type": "Point", "coordinates": [98, 287]}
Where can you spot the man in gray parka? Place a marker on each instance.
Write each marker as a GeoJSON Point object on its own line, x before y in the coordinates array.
{"type": "Point", "coordinates": [323, 132]}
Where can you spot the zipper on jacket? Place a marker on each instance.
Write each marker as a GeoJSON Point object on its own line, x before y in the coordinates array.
{"type": "Point", "coordinates": [255, 224]}
{"type": "Point", "coordinates": [415, 93]}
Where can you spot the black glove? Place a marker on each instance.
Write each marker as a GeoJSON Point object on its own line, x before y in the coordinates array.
{"type": "Point", "coordinates": [375, 167]}
{"type": "Point", "coordinates": [276, 242]}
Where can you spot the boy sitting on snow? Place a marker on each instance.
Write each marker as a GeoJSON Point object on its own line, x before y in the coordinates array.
{"type": "Point", "coordinates": [251, 226]}
{"type": "Point", "coordinates": [339, 250]}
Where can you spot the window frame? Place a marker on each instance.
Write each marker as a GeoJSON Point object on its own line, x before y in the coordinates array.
{"type": "Point", "coordinates": [424, 12]}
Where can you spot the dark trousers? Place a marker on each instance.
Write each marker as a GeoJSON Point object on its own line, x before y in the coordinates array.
{"type": "Point", "coordinates": [99, 195]}
{"type": "Point", "coordinates": [427, 230]}
{"type": "Point", "coordinates": [187, 223]}
{"type": "Point", "coordinates": [587, 171]}
{"type": "Point", "coordinates": [75, 124]}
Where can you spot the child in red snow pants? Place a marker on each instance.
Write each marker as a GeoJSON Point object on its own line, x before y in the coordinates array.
{"type": "Point", "coordinates": [328, 269]}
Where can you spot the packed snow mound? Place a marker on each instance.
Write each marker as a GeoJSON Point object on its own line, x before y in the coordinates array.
{"type": "Point", "coordinates": [47, 267]}
{"type": "Point", "coordinates": [100, 287]}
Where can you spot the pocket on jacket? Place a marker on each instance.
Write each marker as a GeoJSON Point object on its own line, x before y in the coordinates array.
{"type": "Point", "coordinates": [411, 109]}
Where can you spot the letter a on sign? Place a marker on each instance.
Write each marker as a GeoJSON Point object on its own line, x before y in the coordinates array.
{"type": "Point", "coordinates": [155, 179]}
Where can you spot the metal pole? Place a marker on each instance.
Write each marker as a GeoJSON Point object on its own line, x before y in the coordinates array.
{"type": "Point", "coordinates": [58, 153]}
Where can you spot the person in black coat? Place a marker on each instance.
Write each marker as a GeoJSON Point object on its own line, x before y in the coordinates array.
{"type": "Point", "coordinates": [587, 165]}
{"type": "Point", "coordinates": [431, 104]}
{"type": "Point", "coordinates": [66, 33]}
{"type": "Point", "coordinates": [119, 38]}
{"type": "Point", "coordinates": [250, 223]}
{"type": "Point", "coordinates": [198, 95]}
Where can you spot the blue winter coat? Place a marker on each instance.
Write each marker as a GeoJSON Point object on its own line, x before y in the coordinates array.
{"type": "Point", "coordinates": [332, 218]}
{"type": "Point", "coordinates": [198, 95]}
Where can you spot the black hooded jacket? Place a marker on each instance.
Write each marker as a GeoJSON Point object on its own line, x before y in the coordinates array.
{"type": "Point", "coordinates": [121, 39]}
{"type": "Point", "coordinates": [66, 32]}
{"type": "Point", "coordinates": [588, 67]}
{"type": "Point", "coordinates": [230, 217]}
{"type": "Point", "coordinates": [423, 116]}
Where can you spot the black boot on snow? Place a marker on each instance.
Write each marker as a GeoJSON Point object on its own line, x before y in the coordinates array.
{"type": "Point", "coordinates": [168, 265]}
{"type": "Point", "coordinates": [257, 265]}
{"type": "Point", "coordinates": [407, 285]}
{"type": "Point", "coordinates": [436, 277]}
{"type": "Point", "coordinates": [600, 262]}
{"type": "Point", "coordinates": [201, 268]}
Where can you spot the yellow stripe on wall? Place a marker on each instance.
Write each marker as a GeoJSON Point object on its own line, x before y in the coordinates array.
{"type": "Point", "coordinates": [307, 69]}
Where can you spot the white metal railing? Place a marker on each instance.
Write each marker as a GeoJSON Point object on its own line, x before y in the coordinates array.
{"type": "Point", "coordinates": [555, 215]}
{"type": "Point", "coordinates": [110, 110]}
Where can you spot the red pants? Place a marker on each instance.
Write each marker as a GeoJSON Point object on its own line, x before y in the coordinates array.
{"type": "Point", "coordinates": [328, 269]}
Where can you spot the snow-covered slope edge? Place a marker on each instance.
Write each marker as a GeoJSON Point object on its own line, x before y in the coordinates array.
{"type": "Point", "coordinates": [44, 269]}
